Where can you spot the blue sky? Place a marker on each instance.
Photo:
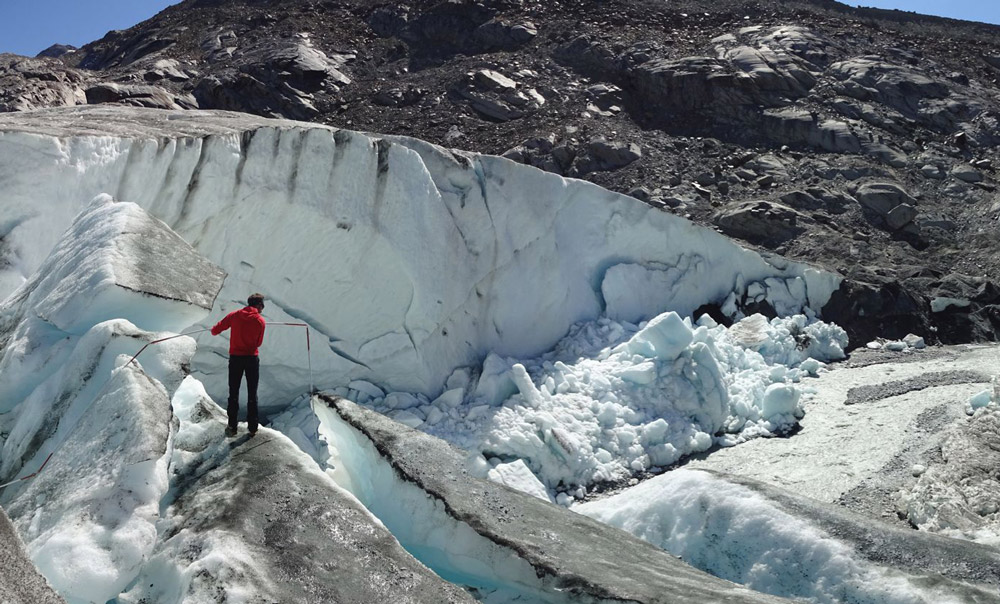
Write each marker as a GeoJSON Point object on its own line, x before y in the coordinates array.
{"type": "Point", "coordinates": [987, 11]}
{"type": "Point", "coordinates": [29, 26]}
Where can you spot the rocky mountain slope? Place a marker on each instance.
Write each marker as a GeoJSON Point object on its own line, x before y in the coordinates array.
{"type": "Point", "coordinates": [863, 141]}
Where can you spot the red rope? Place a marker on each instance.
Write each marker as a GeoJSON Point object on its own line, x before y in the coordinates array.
{"type": "Point", "coordinates": [32, 475]}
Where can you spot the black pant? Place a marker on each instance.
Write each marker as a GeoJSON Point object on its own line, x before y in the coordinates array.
{"type": "Point", "coordinates": [237, 366]}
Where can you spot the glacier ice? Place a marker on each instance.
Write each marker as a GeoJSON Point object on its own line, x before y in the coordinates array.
{"type": "Point", "coordinates": [613, 399]}
{"type": "Point", "coordinates": [507, 546]}
{"type": "Point", "coordinates": [408, 259]}
{"type": "Point", "coordinates": [781, 545]}
{"type": "Point", "coordinates": [477, 299]}
{"type": "Point", "coordinates": [70, 395]}
{"type": "Point", "coordinates": [257, 520]}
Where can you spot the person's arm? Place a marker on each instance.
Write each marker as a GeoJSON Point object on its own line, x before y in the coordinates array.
{"type": "Point", "coordinates": [222, 325]}
{"type": "Point", "coordinates": [260, 338]}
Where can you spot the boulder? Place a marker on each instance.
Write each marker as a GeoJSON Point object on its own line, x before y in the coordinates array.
{"type": "Point", "coordinates": [501, 35]}
{"type": "Point", "coordinates": [882, 197]}
{"type": "Point", "coordinates": [487, 79]}
{"type": "Point", "coordinates": [761, 222]}
{"type": "Point", "coordinates": [967, 173]}
{"type": "Point", "coordinates": [166, 69]}
{"type": "Point", "coordinates": [932, 171]}
{"type": "Point", "coordinates": [613, 155]}
{"type": "Point", "coordinates": [900, 216]}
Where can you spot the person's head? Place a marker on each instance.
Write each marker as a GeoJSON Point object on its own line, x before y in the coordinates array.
{"type": "Point", "coordinates": [256, 300]}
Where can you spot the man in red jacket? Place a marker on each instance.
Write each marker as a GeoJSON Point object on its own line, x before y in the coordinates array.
{"type": "Point", "coordinates": [246, 338]}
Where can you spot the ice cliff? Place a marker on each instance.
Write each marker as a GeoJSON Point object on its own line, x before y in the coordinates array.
{"type": "Point", "coordinates": [409, 260]}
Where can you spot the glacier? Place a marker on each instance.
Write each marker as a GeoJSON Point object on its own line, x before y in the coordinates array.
{"type": "Point", "coordinates": [788, 545]}
{"type": "Point", "coordinates": [542, 323]}
{"type": "Point", "coordinates": [408, 259]}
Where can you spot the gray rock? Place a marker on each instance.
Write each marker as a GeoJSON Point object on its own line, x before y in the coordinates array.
{"type": "Point", "coordinates": [801, 200]}
{"type": "Point", "coordinates": [20, 581]}
{"type": "Point", "coordinates": [56, 50]}
{"type": "Point", "coordinates": [501, 35]}
{"type": "Point", "coordinates": [900, 216]}
{"type": "Point", "coordinates": [702, 191]}
{"type": "Point", "coordinates": [400, 97]}
{"type": "Point", "coordinates": [641, 193]}
{"type": "Point", "coordinates": [220, 46]}
{"type": "Point", "coordinates": [307, 67]}
{"type": "Point", "coordinates": [761, 222]}
{"type": "Point", "coordinates": [800, 128]}
{"type": "Point", "coordinates": [493, 109]}
{"type": "Point", "coordinates": [136, 95]}
{"type": "Point", "coordinates": [27, 84]}
{"type": "Point", "coordinates": [932, 171]}
{"type": "Point", "coordinates": [767, 165]}
{"type": "Point", "coordinates": [967, 173]}
{"type": "Point", "coordinates": [487, 79]}
{"type": "Point", "coordinates": [166, 69]}
{"type": "Point", "coordinates": [885, 154]}
{"type": "Point", "coordinates": [882, 197]}
{"type": "Point", "coordinates": [613, 155]}
{"type": "Point", "coordinates": [899, 87]}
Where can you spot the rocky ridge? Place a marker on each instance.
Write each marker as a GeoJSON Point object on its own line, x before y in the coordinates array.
{"type": "Point", "coordinates": [863, 141]}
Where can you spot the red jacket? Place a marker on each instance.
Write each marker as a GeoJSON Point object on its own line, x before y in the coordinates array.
{"type": "Point", "coordinates": [248, 331]}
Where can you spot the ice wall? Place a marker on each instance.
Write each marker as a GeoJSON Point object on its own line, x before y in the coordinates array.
{"type": "Point", "coordinates": [408, 259]}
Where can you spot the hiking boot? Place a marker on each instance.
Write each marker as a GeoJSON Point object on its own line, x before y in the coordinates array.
{"type": "Point", "coordinates": [230, 431]}
{"type": "Point", "coordinates": [252, 432]}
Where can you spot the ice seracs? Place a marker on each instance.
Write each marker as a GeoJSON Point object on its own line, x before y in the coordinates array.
{"type": "Point", "coordinates": [71, 396]}
{"type": "Point", "coordinates": [614, 399]}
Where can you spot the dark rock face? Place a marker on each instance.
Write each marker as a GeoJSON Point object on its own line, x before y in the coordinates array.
{"type": "Point", "coordinates": [705, 108]}
{"type": "Point", "coordinates": [56, 50]}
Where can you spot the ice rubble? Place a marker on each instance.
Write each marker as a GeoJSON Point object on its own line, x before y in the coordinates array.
{"type": "Point", "coordinates": [959, 495]}
{"type": "Point", "coordinates": [614, 399]}
{"type": "Point", "coordinates": [408, 259]}
{"type": "Point", "coordinates": [740, 534]}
